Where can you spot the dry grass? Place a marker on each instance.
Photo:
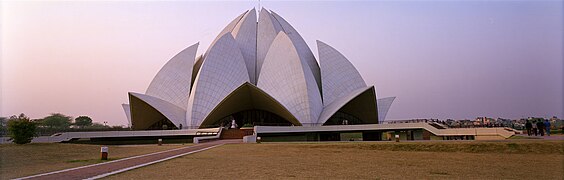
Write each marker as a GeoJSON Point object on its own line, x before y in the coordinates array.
{"type": "Point", "coordinates": [381, 160]}
{"type": "Point", "coordinates": [30, 159]}
{"type": "Point", "coordinates": [512, 146]}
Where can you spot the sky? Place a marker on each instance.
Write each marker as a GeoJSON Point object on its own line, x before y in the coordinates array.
{"type": "Point", "coordinates": [441, 59]}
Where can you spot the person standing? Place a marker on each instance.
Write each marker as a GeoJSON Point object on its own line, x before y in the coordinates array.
{"type": "Point", "coordinates": [547, 126]}
{"type": "Point", "coordinates": [540, 127]}
{"type": "Point", "coordinates": [535, 128]}
{"type": "Point", "coordinates": [528, 126]}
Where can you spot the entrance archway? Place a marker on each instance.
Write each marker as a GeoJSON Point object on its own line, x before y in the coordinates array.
{"type": "Point", "coordinates": [249, 104]}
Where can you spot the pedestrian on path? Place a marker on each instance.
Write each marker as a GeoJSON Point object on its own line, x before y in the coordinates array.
{"type": "Point", "coordinates": [540, 127]}
{"type": "Point", "coordinates": [528, 126]}
{"type": "Point", "coordinates": [535, 128]}
{"type": "Point", "coordinates": [547, 126]}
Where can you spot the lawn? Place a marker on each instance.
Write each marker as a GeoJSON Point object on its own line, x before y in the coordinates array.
{"type": "Point", "coordinates": [513, 159]}
{"type": "Point", "coordinates": [36, 158]}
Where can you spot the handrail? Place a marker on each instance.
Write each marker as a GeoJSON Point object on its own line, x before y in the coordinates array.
{"type": "Point", "coordinates": [217, 136]}
{"type": "Point", "coordinates": [67, 136]}
{"type": "Point", "coordinates": [438, 132]}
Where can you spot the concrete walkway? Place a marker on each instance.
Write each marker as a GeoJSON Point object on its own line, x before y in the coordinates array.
{"type": "Point", "coordinates": [545, 137]}
{"type": "Point", "coordinates": [96, 171]}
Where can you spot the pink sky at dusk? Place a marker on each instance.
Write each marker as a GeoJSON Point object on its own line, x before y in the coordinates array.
{"type": "Point", "coordinates": [441, 59]}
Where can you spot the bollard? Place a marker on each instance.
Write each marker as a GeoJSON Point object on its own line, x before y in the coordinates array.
{"type": "Point", "coordinates": [258, 139]}
{"type": "Point", "coordinates": [104, 151]}
{"type": "Point", "coordinates": [397, 137]}
{"type": "Point", "coordinates": [160, 142]}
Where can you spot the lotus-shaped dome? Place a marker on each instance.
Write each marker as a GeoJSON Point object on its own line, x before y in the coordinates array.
{"type": "Point", "coordinates": [259, 73]}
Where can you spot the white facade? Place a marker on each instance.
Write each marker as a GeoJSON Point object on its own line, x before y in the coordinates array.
{"type": "Point", "coordinates": [272, 56]}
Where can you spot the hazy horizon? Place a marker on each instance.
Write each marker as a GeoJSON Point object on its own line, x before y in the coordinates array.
{"type": "Point", "coordinates": [441, 59]}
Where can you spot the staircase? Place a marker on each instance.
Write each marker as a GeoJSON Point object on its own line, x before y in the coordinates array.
{"type": "Point", "coordinates": [236, 133]}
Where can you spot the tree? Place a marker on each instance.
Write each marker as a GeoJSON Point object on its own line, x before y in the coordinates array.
{"type": "Point", "coordinates": [57, 120]}
{"type": "Point", "coordinates": [82, 121]}
{"type": "Point", "coordinates": [21, 129]}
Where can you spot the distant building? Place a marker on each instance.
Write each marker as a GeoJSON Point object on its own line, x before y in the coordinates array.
{"type": "Point", "coordinates": [484, 121]}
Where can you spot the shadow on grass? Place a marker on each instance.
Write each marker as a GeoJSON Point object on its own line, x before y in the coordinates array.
{"type": "Point", "coordinates": [439, 173]}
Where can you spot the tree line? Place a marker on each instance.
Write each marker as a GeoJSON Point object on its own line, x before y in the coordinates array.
{"type": "Point", "coordinates": [21, 129]}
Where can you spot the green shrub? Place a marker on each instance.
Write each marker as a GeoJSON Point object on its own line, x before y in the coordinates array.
{"type": "Point", "coordinates": [21, 129]}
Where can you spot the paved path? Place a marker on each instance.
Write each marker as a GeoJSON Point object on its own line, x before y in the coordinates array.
{"type": "Point", "coordinates": [551, 137]}
{"type": "Point", "coordinates": [100, 170]}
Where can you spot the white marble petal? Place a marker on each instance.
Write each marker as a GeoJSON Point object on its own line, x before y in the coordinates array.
{"type": "Point", "coordinates": [127, 110]}
{"type": "Point", "coordinates": [172, 82]}
{"type": "Point", "coordinates": [384, 105]}
{"type": "Point", "coordinates": [227, 29]}
{"type": "Point", "coordinates": [267, 30]}
{"type": "Point", "coordinates": [339, 77]}
{"type": "Point", "coordinates": [289, 80]}
{"type": "Point", "coordinates": [173, 113]}
{"type": "Point", "coordinates": [301, 47]}
{"type": "Point", "coordinates": [222, 71]}
{"type": "Point", "coordinates": [245, 33]}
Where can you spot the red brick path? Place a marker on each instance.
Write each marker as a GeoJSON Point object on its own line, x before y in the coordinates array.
{"type": "Point", "coordinates": [97, 170]}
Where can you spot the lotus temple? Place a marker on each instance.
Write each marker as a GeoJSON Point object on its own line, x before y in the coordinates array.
{"type": "Point", "coordinates": [259, 80]}
{"type": "Point", "coordinates": [256, 73]}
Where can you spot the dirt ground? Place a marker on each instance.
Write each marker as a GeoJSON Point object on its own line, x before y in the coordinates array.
{"type": "Point", "coordinates": [29, 159]}
{"type": "Point", "coordinates": [381, 160]}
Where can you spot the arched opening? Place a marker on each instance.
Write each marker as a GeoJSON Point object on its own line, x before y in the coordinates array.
{"type": "Point", "coordinates": [253, 117]}
{"type": "Point", "coordinates": [249, 105]}
{"type": "Point", "coordinates": [146, 117]}
{"type": "Point", "coordinates": [146, 114]}
{"type": "Point", "coordinates": [342, 118]}
{"type": "Point", "coordinates": [163, 124]}
{"type": "Point", "coordinates": [361, 109]}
